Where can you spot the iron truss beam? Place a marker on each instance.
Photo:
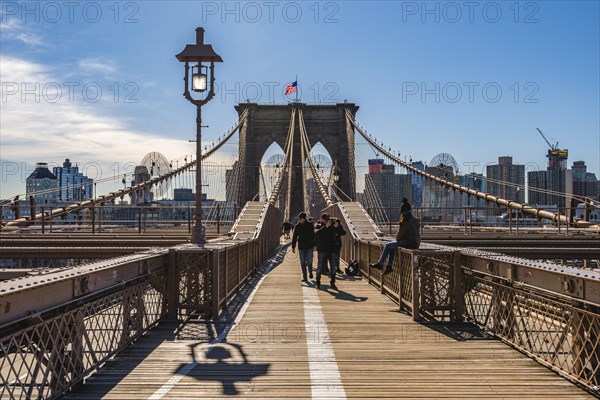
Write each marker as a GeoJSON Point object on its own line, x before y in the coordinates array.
{"type": "Point", "coordinates": [25, 296]}
{"type": "Point", "coordinates": [578, 283]}
{"type": "Point", "coordinates": [68, 252]}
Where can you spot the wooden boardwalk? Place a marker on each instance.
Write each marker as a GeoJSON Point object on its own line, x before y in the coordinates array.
{"type": "Point", "coordinates": [294, 341]}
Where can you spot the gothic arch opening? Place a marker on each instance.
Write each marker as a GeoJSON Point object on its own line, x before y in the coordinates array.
{"type": "Point", "coordinates": [271, 166]}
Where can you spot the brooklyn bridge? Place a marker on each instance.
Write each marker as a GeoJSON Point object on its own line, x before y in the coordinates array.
{"type": "Point", "coordinates": [94, 308]}
{"type": "Point", "coordinates": [131, 294]}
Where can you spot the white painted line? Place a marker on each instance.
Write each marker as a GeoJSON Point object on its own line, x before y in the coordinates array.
{"type": "Point", "coordinates": [19, 379]}
{"type": "Point", "coordinates": [164, 389]}
{"type": "Point", "coordinates": [325, 378]}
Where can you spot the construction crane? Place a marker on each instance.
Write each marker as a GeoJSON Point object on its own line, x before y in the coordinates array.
{"type": "Point", "coordinates": [557, 158]}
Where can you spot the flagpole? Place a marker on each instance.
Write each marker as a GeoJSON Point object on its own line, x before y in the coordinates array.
{"type": "Point", "coordinates": [296, 88]}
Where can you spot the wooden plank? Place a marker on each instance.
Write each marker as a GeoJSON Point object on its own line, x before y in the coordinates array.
{"type": "Point", "coordinates": [379, 352]}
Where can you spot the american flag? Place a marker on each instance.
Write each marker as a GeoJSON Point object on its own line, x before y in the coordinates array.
{"type": "Point", "coordinates": [291, 88]}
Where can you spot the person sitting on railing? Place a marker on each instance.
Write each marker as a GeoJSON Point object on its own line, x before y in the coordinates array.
{"type": "Point", "coordinates": [304, 235]}
{"type": "Point", "coordinates": [408, 237]}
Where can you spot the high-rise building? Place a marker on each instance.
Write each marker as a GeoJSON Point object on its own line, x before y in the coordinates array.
{"type": "Point", "coordinates": [585, 184]}
{"type": "Point", "coordinates": [72, 184]}
{"type": "Point", "coordinates": [441, 203]}
{"type": "Point", "coordinates": [417, 184]}
{"type": "Point", "coordinates": [551, 187]}
{"type": "Point", "coordinates": [375, 165]}
{"type": "Point", "coordinates": [183, 194]}
{"type": "Point", "coordinates": [144, 196]}
{"type": "Point", "coordinates": [476, 182]}
{"type": "Point", "coordinates": [390, 186]}
{"type": "Point", "coordinates": [42, 185]}
{"type": "Point", "coordinates": [506, 180]}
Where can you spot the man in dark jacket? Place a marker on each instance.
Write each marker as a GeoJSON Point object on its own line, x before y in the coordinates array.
{"type": "Point", "coordinates": [408, 236]}
{"type": "Point", "coordinates": [304, 235]}
{"type": "Point", "coordinates": [339, 232]}
{"type": "Point", "coordinates": [325, 239]}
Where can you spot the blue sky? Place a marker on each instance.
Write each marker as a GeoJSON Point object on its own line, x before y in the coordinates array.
{"type": "Point", "coordinates": [426, 76]}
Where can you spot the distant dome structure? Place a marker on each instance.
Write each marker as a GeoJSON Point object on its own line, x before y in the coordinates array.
{"type": "Point", "coordinates": [274, 160]}
{"type": "Point", "coordinates": [156, 165]}
{"type": "Point", "coordinates": [445, 161]}
{"type": "Point", "coordinates": [322, 162]}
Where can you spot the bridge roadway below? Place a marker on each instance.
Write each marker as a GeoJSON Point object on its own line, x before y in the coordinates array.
{"type": "Point", "coordinates": [281, 338]}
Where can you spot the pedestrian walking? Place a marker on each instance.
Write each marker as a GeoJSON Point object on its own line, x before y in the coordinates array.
{"type": "Point", "coordinates": [304, 237]}
{"type": "Point", "coordinates": [339, 232]}
{"type": "Point", "coordinates": [287, 227]}
{"type": "Point", "coordinates": [325, 239]}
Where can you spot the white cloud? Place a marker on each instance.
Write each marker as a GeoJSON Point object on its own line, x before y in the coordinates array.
{"type": "Point", "coordinates": [30, 38]}
{"type": "Point", "coordinates": [96, 65]}
{"type": "Point", "coordinates": [43, 131]}
{"type": "Point", "coordinates": [9, 24]}
{"type": "Point", "coordinates": [12, 29]}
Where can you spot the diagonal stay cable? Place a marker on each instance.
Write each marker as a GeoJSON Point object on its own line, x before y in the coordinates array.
{"type": "Point", "coordinates": [305, 142]}
{"type": "Point", "coordinates": [288, 144]}
{"type": "Point", "coordinates": [99, 200]}
{"type": "Point", "coordinates": [478, 194]}
{"type": "Point", "coordinates": [303, 156]}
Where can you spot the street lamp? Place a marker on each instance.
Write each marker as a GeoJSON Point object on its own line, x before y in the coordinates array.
{"type": "Point", "coordinates": [199, 53]}
{"type": "Point", "coordinates": [336, 175]}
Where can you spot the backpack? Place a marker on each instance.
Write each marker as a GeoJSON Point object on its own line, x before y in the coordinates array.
{"type": "Point", "coordinates": [353, 268]}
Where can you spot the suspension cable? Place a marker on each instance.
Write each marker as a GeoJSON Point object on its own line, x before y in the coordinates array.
{"type": "Point", "coordinates": [303, 156]}
{"type": "Point", "coordinates": [288, 144]}
{"type": "Point", "coordinates": [482, 195]}
{"type": "Point", "coordinates": [306, 144]}
{"type": "Point", "coordinates": [99, 200]}
{"type": "Point", "coordinates": [342, 192]}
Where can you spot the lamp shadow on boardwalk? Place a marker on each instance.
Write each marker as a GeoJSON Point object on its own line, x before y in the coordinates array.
{"type": "Point", "coordinates": [226, 363]}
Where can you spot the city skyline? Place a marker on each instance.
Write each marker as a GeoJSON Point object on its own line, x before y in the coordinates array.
{"type": "Point", "coordinates": [141, 108]}
{"type": "Point", "coordinates": [462, 173]}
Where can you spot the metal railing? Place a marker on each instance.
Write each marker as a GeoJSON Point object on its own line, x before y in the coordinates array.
{"type": "Point", "coordinates": [59, 327]}
{"type": "Point", "coordinates": [556, 331]}
{"type": "Point", "coordinates": [47, 358]}
{"type": "Point", "coordinates": [558, 328]}
{"type": "Point", "coordinates": [110, 216]}
{"type": "Point", "coordinates": [472, 217]}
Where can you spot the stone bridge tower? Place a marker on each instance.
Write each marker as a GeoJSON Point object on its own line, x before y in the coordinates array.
{"type": "Point", "coordinates": [267, 124]}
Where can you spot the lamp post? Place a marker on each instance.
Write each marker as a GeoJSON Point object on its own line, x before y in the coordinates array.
{"type": "Point", "coordinates": [336, 175]}
{"type": "Point", "coordinates": [199, 53]}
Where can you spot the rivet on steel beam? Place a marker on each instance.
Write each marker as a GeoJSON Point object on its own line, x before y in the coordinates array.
{"type": "Point", "coordinates": [85, 285]}
{"type": "Point", "coordinates": [568, 286]}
